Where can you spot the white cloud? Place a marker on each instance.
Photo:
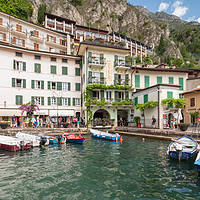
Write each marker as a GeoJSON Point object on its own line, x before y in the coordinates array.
{"type": "Point", "coordinates": [178, 9]}
{"type": "Point", "coordinates": [198, 19]}
{"type": "Point", "coordinates": [163, 7]}
{"type": "Point", "coordinates": [190, 19]}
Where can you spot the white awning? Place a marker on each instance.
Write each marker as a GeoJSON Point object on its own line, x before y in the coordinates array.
{"type": "Point", "coordinates": [41, 112]}
{"type": "Point", "coordinates": [61, 112]}
{"type": "Point", "coordinates": [10, 112]}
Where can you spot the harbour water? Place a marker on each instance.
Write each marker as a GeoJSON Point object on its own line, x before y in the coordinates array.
{"type": "Point", "coordinates": [98, 170]}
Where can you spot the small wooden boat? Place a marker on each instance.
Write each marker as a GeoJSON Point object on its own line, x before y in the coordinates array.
{"type": "Point", "coordinates": [13, 144]}
{"type": "Point", "coordinates": [105, 135]}
{"type": "Point", "coordinates": [183, 148]}
{"type": "Point", "coordinates": [36, 141]}
{"type": "Point", "coordinates": [197, 162]}
{"type": "Point", "coordinates": [70, 137]}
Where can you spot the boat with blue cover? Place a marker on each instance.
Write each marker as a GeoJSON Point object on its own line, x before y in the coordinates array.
{"type": "Point", "coordinates": [197, 162]}
{"type": "Point", "coordinates": [56, 140]}
{"type": "Point", "coordinates": [70, 137]}
{"type": "Point", "coordinates": [105, 135]}
{"type": "Point", "coordinates": [183, 148]}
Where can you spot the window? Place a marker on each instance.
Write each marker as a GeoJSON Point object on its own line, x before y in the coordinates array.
{"type": "Point", "coordinates": [64, 60]}
{"type": "Point", "coordinates": [95, 94]}
{"type": "Point", "coordinates": [37, 67]}
{"type": "Point", "coordinates": [146, 78]}
{"type": "Point", "coordinates": [19, 100]}
{"type": "Point", "coordinates": [18, 54]}
{"type": "Point", "coordinates": [136, 100]}
{"type": "Point", "coordinates": [18, 65]}
{"type": "Point", "coordinates": [18, 28]}
{"type": "Point", "coordinates": [77, 101]}
{"type": "Point", "coordinates": [170, 95]}
{"type": "Point", "coordinates": [51, 49]}
{"type": "Point", "coordinates": [108, 95]}
{"type": "Point", "coordinates": [192, 102]}
{"type": "Point", "coordinates": [18, 41]}
{"type": "Point", "coordinates": [171, 80]}
{"type": "Point", "coordinates": [64, 101]}
{"type": "Point", "coordinates": [80, 32]}
{"type": "Point", "coordinates": [53, 101]}
{"type": "Point", "coordinates": [38, 100]}
{"type": "Point", "coordinates": [53, 85]}
{"type": "Point", "coordinates": [121, 95]}
{"type": "Point", "coordinates": [20, 83]}
{"type": "Point", "coordinates": [36, 46]}
{"type": "Point", "coordinates": [103, 36]}
{"type": "Point", "coordinates": [64, 86]}
{"type": "Point", "coordinates": [53, 69]}
{"type": "Point", "coordinates": [159, 79]}
{"type": "Point", "coordinates": [77, 71]}
{"type": "Point", "coordinates": [95, 77]}
{"type": "Point", "coordinates": [96, 35]}
{"type": "Point", "coordinates": [53, 59]}
{"type": "Point", "coordinates": [87, 33]}
{"type": "Point", "coordinates": [37, 84]}
{"type": "Point", "coordinates": [37, 57]}
{"type": "Point", "coordinates": [78, 87]}
{"type": "Point", "coordinates": [181, 83]}
{"type": "Point", "coordinates": [3, 36]}
{"type": "Point", "coordinates": [137, 81]}
{"type": "Point", "coordinates": [145, 98]}
{"type": "Point", "coordinates": [64, 71]}
{"type": "Point", "coordinates": [77, 62]}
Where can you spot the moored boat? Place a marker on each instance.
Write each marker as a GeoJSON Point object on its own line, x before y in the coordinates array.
{"type": "Point", "coordinates": [70, 137]}
{"type": "Point", "coordinates": [105, 135]}
{"type": "Point", "coordinates": [197, 162]}
{"type": "Point", "coordinates": [36, 141]}
{"type": "Point", "coordinates": [56, 140]}
{"type": "Point", "coordinates": [182, 148]}
{"type": "Point", "coordinates": [13, 144]}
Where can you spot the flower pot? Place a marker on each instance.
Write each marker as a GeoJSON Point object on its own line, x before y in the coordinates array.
{"type": "Point", "coordinates": [183, 128]}
{"type": "Point", "coordinates": [4, 126]}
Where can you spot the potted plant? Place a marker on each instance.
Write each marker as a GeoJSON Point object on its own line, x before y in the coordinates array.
{"type": "Point", "coordinates": [4, 124]}
{"type": "Point", "coordinates": [183, 127]}
{"type": "Point", "coordinates": [90, 39]}
{"type": "Point", "coordinates": [122, 43]}
{"type": "Point", "coordinates": [102, 41]}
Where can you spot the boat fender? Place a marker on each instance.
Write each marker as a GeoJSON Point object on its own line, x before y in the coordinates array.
{"type": "Point", "coordinates": [121, 139]}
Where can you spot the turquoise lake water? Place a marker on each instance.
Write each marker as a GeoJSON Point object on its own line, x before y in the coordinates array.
{"type": "Point", "coordinates": [98, 169]}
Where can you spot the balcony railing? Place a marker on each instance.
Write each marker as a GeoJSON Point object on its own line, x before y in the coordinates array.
{"type": "Point", "coordinates": [111, 101]}
{"type": "Point", "coordinates": [38, 38]}
{"type": "Point", "coordinates": [122, 64]}
{"type": "Point", "coordinates": [121, 82]}
{"type": "Point", "coordinates": [50, 20]}
{"type": "Point", "coordinates": [56, 44]}
{"type": "Point", "coordinates": [21, 33]}
{"type": "Point", "coordinates": [96, 80]}
{"type": "Point", "coordinates": [4, 26]}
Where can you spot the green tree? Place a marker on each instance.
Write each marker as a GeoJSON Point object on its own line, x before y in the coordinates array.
{"type": "Point", "coordinates": [76, 2]}
{"type": "Point", "coordinates": [41, 13]}
{"type": "Point", "coordinates": [177, 62]}
{"type": "Point", "coordinates": [183, 51]}
{"type": "Point", "coordinates": [162, 47]}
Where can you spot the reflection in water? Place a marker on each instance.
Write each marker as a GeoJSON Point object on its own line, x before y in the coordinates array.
{"type": "Point", "coordinates": [98, 169]}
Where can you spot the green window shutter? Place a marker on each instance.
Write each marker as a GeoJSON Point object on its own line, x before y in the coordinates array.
{"type": "Point", "coordinates": [159, 79]}
{"type": "Point", "coordinates": [181, 83]}
{"type": "Point", "coordinates": [170, 95]}
{"type": "Point", "coordinates": [21, 100]}
{"type": "Point", "coordinates": [91, 94]}
{"type": "Point", "coordinates": [32, 99]}
{"type": "Point", "coordinates": [145, 98]}
{"type": "Point", "coordinates": [89, 77]}
{"type": "Point", "coordinates": [14, 64]}
{"type": "Point", "coordinates": [89, 57]}
{"type": "Point", "coordinates": [171, 80]}
{"type": "Point", "coordinates": [77, 71]}
{"type": "Point", "coordinates": [78, 87]}
{"type": "Point", "coordinates": [116, 95]}
{"type": "Point", "coordinates": [73, 101]}
{"type": "Point", "coordinates": [127, 94]}
{"type": "Point", "coordinates": [116, 61]}
{"type": "Point", "coordinates": [137, 81]}
{"type": "Point", "coordinates": [16, 100]}
{"type": "Point", "coordinates": [42, 101]}
{"type": "Point", "coordinates": [101, 78]}
{"type": "Point", "coordinates": [64, 70]}
{"type": "Point", "coordinates": [36, 67]}
{"type": "Point", "coordinates": [101, 58]}
{"type": "Point", "coordinates": [24, 83]}
{"type": "Point", "coordinates": [24, 66]}
{"type": "Point", "coordinates": [39, 68]}
{"type": "Point", "coordinates": [49, 85]}
{"type": "Point", "coordinates": [136, 101]}
{"type": "Point", "coordinates": [42, 85]}
{"type": "Point", "coordinates": [13, 82]}
{"type": "Point", "coordinates": [32, 84]}
{"type": "Point", "coordinates": [146, 81]}
{"type": "Point", "coordinates": [49, 101]}
{"type": "Point", "coordinates": [102, 94]}
{"type": "Point", "coordinates": [53, 69]}
{"type": "Point", "coordinates": [116, 78]}
{"type": "Point", "coordinates": [69, 86]}
{"type": "Point", "coordinates": [80, 64]}
{"type": "Point", "coordinates": [59, 85]}
{"type": "Point", "coordinates": [69, 102]}
{"type": "Point", "coordinates": [59, 101]}
{"type": "Point", "coordinates": [127, 61]}
{"type": "Point", "coordinates": [83, 59]}
{"type": "Point", "coordinates": [126, 77]}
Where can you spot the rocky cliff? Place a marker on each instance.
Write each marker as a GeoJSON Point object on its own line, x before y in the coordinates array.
{"type": "Point", "coordinates": [112, 15]}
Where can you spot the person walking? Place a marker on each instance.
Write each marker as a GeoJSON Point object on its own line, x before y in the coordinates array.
{"type": "Point", "coordinates": [153, 121]}
{"type": "Point", "coordinates": [173, 122]}
{"type": "Point", "coordinates": [27, 122]}
{"type": "Point", "coordinates": [38, 121]}
{"type": "Point", "coordinates": [13, 121]}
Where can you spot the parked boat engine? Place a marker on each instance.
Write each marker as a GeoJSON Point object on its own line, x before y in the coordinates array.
{"type": "Point", "coordinates": [43, 141]}
{"type": "Point", "coordinates": [59, 138]}
{"type": "Point", "coordinates": [22, 145]}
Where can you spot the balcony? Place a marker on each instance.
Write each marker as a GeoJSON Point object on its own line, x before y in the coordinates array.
{"type": "Point", "coordinates": [96, 80]}
{"type": "Point", "coordinates": [22, 33]}
{"type": "Point", "coordinates": [50, 21]}
{"type": "Point", "coordinates": [4, 27]}
{"type": "Point", "coordinates": [121, 82]}
{"type": "Point", "coordinates": [94, 61]}
{"type": "Point", "coordinates": [122, 64]}
{"type": "Point", "coordinates": [38, 38]}
{"type": "Point", "coordinates": [55, 44]}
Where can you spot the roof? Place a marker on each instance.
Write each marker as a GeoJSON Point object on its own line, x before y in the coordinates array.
{"type": "Point", "coordinates": [95, 29]}
{"type": "Point", "coordinates": [157, 85]}
{"type": "Point", "coordinates": [164, 69]}
{"type": "Point", "coordinates": [191, 91]}
{"type": "Point", "coordinates": [60, 18]}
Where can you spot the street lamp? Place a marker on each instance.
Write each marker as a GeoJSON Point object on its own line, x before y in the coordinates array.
{"type": "Point", "coordinates": [54, 96]}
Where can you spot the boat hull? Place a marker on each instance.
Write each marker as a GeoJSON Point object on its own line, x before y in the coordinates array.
{"type": "Point", "coordinates": [78, 141]}
{"type": "Point", "coordinates": [105, 137]}
{"type": "Point", "coordinates": [55, 141]}
{"type": "Point", "coordinates": [10, 147]}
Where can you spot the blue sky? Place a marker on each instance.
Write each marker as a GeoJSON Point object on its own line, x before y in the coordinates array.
{"type": "Point", "coordinates": [188, 10]}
